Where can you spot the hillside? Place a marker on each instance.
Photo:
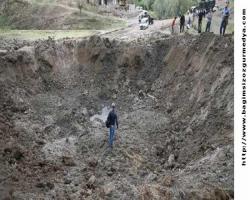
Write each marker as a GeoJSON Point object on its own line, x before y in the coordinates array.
{"type": "Point", "coordinates": [53, 15]}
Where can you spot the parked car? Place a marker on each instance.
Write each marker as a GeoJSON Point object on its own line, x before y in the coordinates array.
{"type": "Point", "coordinates": [144, 23]}
{"type": "Point", "coordinates": [139, 8]}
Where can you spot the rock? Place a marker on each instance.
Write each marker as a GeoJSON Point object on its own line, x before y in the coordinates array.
{"type": "Point", "coordinates": [7, 150]}
{"type": "Point", "coordinates": [167, 181]}
{"type": "Point", "coordinates": [7, 198]}
{"type": "Point", "coordinates": [107, 189]}
{"type": "Point", "coordinates": [221, 194]}
{"type": "Point", "coordinates": [40, 142]}
{"type": "Point", "coordinates": [107, 42]}
{"type": "Point", "coordinates": [40, 185]}
{"type": "Point", "coordinates": [169, 110]}
{"type": "Point", "coordinates": [91, 180]}
{"type": "Point", "coordinates": [76, 184]}
{"type": "Point", "coordinates": [67, 181]}
{"type": "Point", "coordinates": [110, 173]}
{"type": "Point", "coordinates": [141, 84]}
{"type": "Point", "coordinates": [167, 142]}
{"type": "Point", "coordinates": [18, 155]}
{"type": "Point", "coordinates": [50, 185]}
{"type": "Point", "coordinates": [68, 161]}
{"type": "Point", "coordinates": [158, 150]}
{"type": "Point", "coordinates": [91, 112]}
{"type": "Point", "coordinates": [189, 131]}
{"type": "Point", "coordinates": [136, 99]}
{"type": "Point", "coordinates": [84, 169]}
{"type": "Point", "coordinates": [230, 192]}
{"type": "Point", "coordinates": [169, 107]}
{"type": "Point", "coordinates": [141, 94]}
{"type": "Point", "coordinates": [73, 190]}
{"type": "Point", "coordinates": [171, 160]}
{"type": "Point", "coordinates": [3, 52]}
{"type": "Point", "coordinates": [151, 177]}
{"type": "Point", "coordinates": [85, 112]}
{"type": "Point", "coordinates": [93, 162]}
{"type": "Point", "coordinates": [85, 92]}
{"type": "Point", "coordinates": [14, 178]}
{"type": "Point", "coordinates": [113, 169]}
{"type": "Point", "coordinates": [89, 192]}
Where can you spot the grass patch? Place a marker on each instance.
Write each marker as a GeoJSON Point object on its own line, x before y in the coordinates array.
{"type": "Point", "coordinates": [96, 22]}
{"type": "Point", "coordinates": [47, 15]}
{"type": "Point", "coordinates": [3, 21]}
{"type": "Point", "coordinates": [44, 34]}
{"type": "Point", "coordinates": [43, 1]}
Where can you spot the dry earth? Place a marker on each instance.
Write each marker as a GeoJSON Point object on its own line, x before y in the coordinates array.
{"type": "Point", "coordinates": [174, 97]}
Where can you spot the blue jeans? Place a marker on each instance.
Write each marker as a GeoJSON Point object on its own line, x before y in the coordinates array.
{"type": "Point", "coordinates": [199, 26]}
{"type": "Point", "coordinates": [111, 135]}
{"type": "Point", "coordinates": [208, 26]}
{"type": "Point", "coordinates": [223, 27]}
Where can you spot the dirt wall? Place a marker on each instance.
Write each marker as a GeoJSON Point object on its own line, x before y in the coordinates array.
{"type": "Point", "coordinates": [174, 98]}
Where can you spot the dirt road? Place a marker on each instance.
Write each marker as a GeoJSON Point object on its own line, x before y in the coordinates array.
{"type": "Point", "coordinates": [133, 30]}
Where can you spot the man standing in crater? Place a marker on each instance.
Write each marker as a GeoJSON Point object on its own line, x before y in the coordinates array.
{"type": "Point", "coordinates": [111, 122]}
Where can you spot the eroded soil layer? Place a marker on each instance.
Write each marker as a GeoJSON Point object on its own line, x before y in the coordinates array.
{"type": "Point", "coordinates": [174, 99]}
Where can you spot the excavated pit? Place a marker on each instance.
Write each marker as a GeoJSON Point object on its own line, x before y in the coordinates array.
{"type": "Point", "coordinates": [174, 99]}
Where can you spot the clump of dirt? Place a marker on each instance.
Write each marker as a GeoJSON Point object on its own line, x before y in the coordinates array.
{"type": "Point", "coordinates": [174, 99]}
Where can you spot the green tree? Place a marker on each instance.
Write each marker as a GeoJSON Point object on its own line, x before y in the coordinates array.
{"type": "Point", "coordinates": [149, 4]}
{"type": "Point", "coordinates": [171, 8]}
{"type": "Point", "coordinates": [167, 8]}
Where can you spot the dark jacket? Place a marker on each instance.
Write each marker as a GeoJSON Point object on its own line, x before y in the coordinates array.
{"type": "Point", "coordinates": [182, 19]}
{"type": "Point", "coordinates": [112, 118]}
{"type": "Point", "coordinates": [200, 16]}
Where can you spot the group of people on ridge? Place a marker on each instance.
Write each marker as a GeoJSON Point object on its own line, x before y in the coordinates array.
{"type": "Point", "coordinates": [202, 13]}
{"type": "Point", "coordinates": [112, 119]}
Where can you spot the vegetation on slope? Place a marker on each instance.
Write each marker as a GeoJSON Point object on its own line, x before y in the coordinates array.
{"type": "Point", "coordinates": [47, 15]}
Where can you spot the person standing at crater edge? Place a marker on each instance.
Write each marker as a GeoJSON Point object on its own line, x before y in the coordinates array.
{"type": "Point", "coordinates": [182, 23]}
{"type": "Point", "coordinates": [173, 24]}
{"type": "Point", "coordinates": [112, 121]}
{"type": "Point", "coordinates": [200, 16]}
{"type": "Point", "coordinates": [225, 16]}
{"type": "Point", "coordinates": [209, 20]}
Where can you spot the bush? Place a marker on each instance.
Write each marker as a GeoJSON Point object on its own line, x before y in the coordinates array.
{"type": "Point", "coordinates": [3, 21]}
{"type": "Point", "coordinates": [167, 8]}
{"type": "Point", "coordinates": [171, 8]}
{"type": "Point", "coordinates": [148, 4]}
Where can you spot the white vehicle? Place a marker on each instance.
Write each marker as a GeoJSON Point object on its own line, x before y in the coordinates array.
{"type": "Point", "coordinates": [139, 8]}
{"type": "Point", "coordinates": [216, 8]}
{"type": "Point", "coordinates": [144, 23]}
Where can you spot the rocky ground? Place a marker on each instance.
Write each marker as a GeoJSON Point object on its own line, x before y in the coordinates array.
{"type": "Point", "coordinates": [174, 97]}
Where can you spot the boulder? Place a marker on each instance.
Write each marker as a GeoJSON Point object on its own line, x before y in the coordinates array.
{"type": "Point", "coordinates": [107, 189]}
{"type": "Point", "coordinates": [68, 161]}
{"type": "Point", "coordinates": [91, 180]}
{"type": "Point", "coordinates": [93, 162]}
{"type": "Point", "coordinates": [171, 160]}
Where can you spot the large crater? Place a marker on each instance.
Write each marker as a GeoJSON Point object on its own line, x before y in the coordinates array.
{"type": "Point", "coordinates": [174, 99]}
